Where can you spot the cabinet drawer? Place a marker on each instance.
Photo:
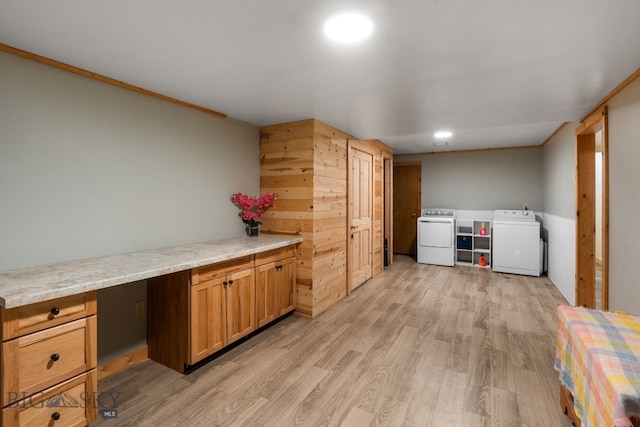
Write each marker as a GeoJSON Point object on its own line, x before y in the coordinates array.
{"type": "Point", "coordinates": [208, 272]}
{"type": "Point", "coordinates": [73, 403]}
{"type": "Point", "coordinates": [36, 361]}
{"type": "Point", "coordinates": [275, 255]}
{"type": "Point", "coordinates": [23, 320]}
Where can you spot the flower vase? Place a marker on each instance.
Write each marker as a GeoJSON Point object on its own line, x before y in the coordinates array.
{"type": "Point", "coordinates": [252, 230]}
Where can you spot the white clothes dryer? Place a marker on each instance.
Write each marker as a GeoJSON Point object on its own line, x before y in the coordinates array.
{"type": "Point", "coordinates": [436, 234]}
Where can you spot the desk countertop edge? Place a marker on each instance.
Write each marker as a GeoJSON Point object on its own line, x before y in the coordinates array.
{"type": "Point", "coordinates": [30, 285]}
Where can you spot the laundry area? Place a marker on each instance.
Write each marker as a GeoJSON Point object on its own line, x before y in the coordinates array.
{"type": "Point", "coordinates": [504, 240]}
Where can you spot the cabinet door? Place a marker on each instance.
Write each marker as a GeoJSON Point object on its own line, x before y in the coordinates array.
{"type": "Point", "coordinates": [208, 319]}
{"type": "Point", "coordinates": [267, 301]}
{"type": "Point", "coordinates": [241, 308]}
{"type": "Point", "coordinates": [285, 283]}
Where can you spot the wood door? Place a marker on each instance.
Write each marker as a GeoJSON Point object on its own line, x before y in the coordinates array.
{"type": "Point", "coordinates": [208, 319]}
{"type": "Point", "coordinates": [360, 221]}
{"type": "Point", "coordinates": [266, 299]}
{"type": "Point", "coordinates": [285, 282]}
{"type": "Point", "coordinates": [240, 304]}
{"type": "Point", "coordinates": [407, 202]}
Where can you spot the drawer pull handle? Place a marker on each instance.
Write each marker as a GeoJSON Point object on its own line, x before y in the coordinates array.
{"type": "Point", "coordinates": [55, 416]}
{"type": "Point", "coordinates": [55, 311]}
{"type": "Point", "coordinates": [55, 357]}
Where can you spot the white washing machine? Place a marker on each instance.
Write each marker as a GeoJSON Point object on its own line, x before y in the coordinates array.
{"type": "Point", "coordinates": [436, 234]}
{"type": "Point", "coordinates": [517, 246]}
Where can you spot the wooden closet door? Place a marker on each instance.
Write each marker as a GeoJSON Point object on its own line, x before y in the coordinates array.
{"type": "Point", "coordinates": [360, 216]}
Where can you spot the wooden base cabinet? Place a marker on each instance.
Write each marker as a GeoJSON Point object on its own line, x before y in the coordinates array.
{"type": "Point", "coordinates": [194, 313]}
{"type": "Point", "coordinates": [40, 409]}
{"type": "Point", "coordinates": [275, 282]}
{"type": "Point", "coordinates": [48, 361]}
{"type": "Point", "coordinates": [222, 311]}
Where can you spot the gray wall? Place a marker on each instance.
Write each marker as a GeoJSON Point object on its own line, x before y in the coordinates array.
{"type": "Point", "coordinates": [559, 159]}
{"type": "Point", "coordinates": [481, 180]}
{"type": "Point", "coordinates": [624, 199]}
{"type": "Point", "coordinates": [89, 169]}
{"type": "Point", "coordinates": [624, 202]}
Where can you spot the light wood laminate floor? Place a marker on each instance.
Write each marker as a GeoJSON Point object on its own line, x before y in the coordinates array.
{"type": "Point", "coordinates": [419, 345]}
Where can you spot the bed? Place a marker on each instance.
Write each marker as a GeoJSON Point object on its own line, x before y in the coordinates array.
{"type": "Point", "coordinates": [598, 359]}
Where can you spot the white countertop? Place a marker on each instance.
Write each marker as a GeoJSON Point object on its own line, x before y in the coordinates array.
{"type": "Point", "coordinates": [36, 284]}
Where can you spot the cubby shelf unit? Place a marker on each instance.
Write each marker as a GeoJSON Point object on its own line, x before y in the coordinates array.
{"type": "Point", "coordinates": [471, 244]}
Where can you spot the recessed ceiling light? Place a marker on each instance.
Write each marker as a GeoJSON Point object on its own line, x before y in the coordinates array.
{"type": "Point", "coordinates": [348, 27]}
{"type": "Point", "coordinates": [442, 134]}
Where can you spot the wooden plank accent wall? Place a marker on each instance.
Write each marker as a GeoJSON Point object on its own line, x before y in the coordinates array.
{"type": "Point", "coordinates": [287, 168]}
{"type": "Point", "coordinates": [330, 217]}
{"type": "Point", "coordinates": [305, 162]}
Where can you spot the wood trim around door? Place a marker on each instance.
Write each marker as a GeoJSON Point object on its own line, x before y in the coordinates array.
{"type": "Point", "coordinates": [585, 210]}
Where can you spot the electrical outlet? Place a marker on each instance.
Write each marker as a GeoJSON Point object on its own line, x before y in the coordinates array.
{"type": "Point", "coordinates": [139, 308]}
{"type": "Point", "coordinates": [564, 211]}
{"type": "Point", "coordinates": [434, 205]}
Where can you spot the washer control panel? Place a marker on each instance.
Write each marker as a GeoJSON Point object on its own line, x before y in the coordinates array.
{"type": "Point", "coordinates": [514, 215]}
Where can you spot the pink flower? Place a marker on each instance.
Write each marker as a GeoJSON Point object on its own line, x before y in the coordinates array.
{"type": "Point", "coordinates": [252, 209]}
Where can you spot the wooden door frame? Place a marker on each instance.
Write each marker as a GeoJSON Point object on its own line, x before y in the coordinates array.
{"type": "Point", "coordinates": [387, 222]}
{"type": "Point", "coordinates": [585, 209]}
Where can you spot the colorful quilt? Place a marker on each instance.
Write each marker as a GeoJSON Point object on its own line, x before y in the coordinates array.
{"type": "Point", "coordinates": [598, 358]}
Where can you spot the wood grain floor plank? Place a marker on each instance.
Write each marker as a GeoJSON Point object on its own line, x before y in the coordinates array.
{"type": "Point", "coordinates": [418, 345]}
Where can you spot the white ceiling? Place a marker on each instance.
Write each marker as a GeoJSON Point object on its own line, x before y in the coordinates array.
{"type": "Point", "coordinates": [496, 72]}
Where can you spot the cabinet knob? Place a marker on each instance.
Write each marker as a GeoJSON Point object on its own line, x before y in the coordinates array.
{"type": "Point", "coordinates": [55, 357]}
{"type": "Point", "coordinates": [230, 282]}
{"type": "Point", "coordinates": [225, 283]}
{"type": "Point", "coordinates": [55, 311]}
{"type": "Point", "coordinates": [55, 416]}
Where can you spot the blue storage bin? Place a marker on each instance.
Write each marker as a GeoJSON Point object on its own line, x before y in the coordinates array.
{"type": "Point", "coordinates": [464, 242]}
